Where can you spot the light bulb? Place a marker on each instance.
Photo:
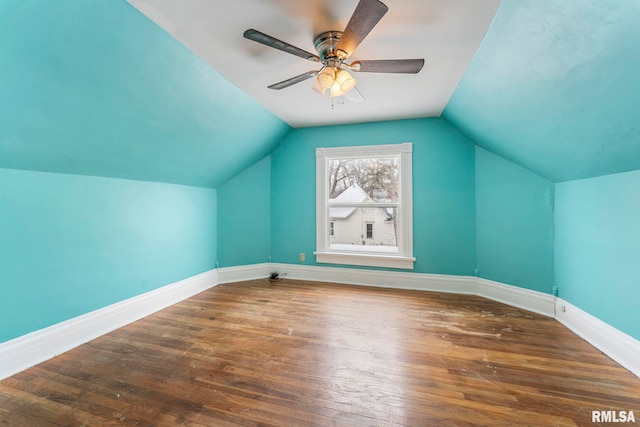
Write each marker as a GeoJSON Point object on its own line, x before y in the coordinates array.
{"type": "Point", "coordinates": [336, 91]}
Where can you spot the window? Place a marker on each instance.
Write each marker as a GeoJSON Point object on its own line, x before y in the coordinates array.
{"type": "Point", "coordinates": [359, 190]}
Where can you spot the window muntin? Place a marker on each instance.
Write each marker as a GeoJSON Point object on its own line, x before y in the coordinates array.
{"type": "Point", "coordinates": [364, 209]}
{"type": "Point", "coordinates": [370, 230]}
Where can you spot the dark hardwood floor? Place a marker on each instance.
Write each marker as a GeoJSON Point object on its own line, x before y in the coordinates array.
{"type": "Point", "coordinates": [312, 354]}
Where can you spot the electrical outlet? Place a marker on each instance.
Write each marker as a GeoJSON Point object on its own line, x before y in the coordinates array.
{"type": "Point", "coordinates": [563, 308]}
{"type": "Point", "coordinates": [302, 256]}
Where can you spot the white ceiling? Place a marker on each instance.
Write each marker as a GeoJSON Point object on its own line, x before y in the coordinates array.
{"type": "Point", "coordinates": [446, 33]}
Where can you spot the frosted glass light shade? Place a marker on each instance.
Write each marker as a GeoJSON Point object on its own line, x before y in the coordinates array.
{"type": "Point", "coordinates": [326, 78]}
{"type": "Point", "coordinates": [346, 82]}
{"type": "Point", "coordinates": [316, 87]}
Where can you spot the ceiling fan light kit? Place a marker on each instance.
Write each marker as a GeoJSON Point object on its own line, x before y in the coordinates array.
{"type": "Point", "coordinates": [336, 80]}
{"type": "Point", "coordinates": [334, 48]}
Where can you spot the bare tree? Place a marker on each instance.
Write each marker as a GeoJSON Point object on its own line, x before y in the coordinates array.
{"type": "Point", "coordinates": [338, 176]}
{"type": "Point", "coordinates": [378, 177]}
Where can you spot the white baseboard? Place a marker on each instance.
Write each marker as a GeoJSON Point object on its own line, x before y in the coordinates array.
{"type": "Point", "coordinates": [619, 346]}
{"type": "Point", "coordinates": [36, 347]}
{"type": "Point", "coordinates": [526, 299]}
{"type": "Point", "coordinates": [243, 272]}
{"type": "Point", "coordinates": [379, 278]}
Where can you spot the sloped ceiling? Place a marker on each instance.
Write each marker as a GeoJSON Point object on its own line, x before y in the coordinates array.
{"type": "Point", "coordinates": [93, 87]}
{"type": "Point", "coordinates": [555, 86]}
{"type": "Point", "coordinates": [446, 33]}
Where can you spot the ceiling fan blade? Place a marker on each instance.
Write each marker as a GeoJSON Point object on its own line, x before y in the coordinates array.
{"type": "Point", "coordinates": [405, 66]}
{"type": "Point", "coordinates": [354, 96]}
{"type": "Point", "coordinates": [294, 80]}
{"type": "Point", "coordinates": [367, 14]}
{"type": "Point", "coordinates": [267, 40]}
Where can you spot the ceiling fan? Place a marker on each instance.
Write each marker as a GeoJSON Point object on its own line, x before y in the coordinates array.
{"type": "Point", "coordinates": [335, 48]}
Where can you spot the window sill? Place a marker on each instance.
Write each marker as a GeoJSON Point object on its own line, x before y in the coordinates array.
{"type": "Point", "coordinates": [368, 260]}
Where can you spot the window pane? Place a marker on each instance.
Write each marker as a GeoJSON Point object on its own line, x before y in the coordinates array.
{"type": "Point", "coordinates": [364, 229]}
{"type": "Point", "coordinates": [364, 180]}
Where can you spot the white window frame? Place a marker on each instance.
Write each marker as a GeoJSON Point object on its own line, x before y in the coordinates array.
{"type": "Point", "coordinates": [404, 258]}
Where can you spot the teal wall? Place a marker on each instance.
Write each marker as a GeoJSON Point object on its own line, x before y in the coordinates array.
{"type": "Point", "coordinates": [514, 224]}
{"type": "Point", "coordinates": [443, 190]}
{"type": "Point", "coordinates": [93, 87]}
{"type": "Point", "coordinates": [71, 244]}
{"type": "Point", "coordinates": [597, 247]}
{"type": "Point", "coordinates": [244, 235]}
{"type": "Point", "coordinates": [554, 87]}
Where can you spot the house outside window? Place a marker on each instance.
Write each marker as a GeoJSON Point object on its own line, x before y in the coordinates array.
{"type": "Point", "coordinates": [364, 206]}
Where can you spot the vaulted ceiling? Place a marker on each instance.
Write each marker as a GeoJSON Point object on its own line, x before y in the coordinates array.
{"type": "Point", "coordinates": [555, 86]}
{"type": "Point", "coordinates": [445, 33]}
{"type": "Point", "coordinates": [93, 87]}
{"type": "Point", "coordinates": [97, 88]}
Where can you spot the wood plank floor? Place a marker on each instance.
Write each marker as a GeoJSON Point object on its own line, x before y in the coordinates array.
{"type": "Point", "coordinates": [311, 354]}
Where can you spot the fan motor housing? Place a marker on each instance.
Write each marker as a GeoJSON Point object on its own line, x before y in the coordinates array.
{"type": "Point", "coordinates": [326, 45]}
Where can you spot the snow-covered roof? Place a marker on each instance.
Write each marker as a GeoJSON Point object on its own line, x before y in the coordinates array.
{"type": "Point", "coordinates": [353, 194]}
